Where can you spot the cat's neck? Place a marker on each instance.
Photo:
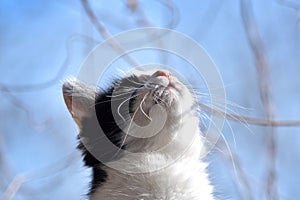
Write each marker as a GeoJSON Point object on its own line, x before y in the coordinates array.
{"type": "Point", "coordinates": [177, 139]}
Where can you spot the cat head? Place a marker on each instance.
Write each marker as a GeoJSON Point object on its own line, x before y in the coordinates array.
{"type": "Point", "coordinates": [139, 112]}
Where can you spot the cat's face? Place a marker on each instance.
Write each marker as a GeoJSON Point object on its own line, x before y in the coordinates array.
{"type": "Point", "coordinates": [150, 89]}
{"type": "Point", "coordinates": [141, 105]}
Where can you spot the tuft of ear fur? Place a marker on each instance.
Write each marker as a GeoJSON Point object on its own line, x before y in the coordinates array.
{"type": "Point", "coordinates": [80, 99]}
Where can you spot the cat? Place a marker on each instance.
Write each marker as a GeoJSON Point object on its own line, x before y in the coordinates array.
{"type": "Point", "coordinates": [148, 113]}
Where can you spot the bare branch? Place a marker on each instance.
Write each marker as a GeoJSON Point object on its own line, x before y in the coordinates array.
{"type": "Point", "coordinates": [105, 33]}
{"type": "Point", "coordinates": [43, 85]}
{"type": "Point", "coordinates": [293, 5]}
{"type": "Point", "coordinates": [142, 20]}
{"type": "Point", "coordinates": [263, 72]}
{"type": "Point", "coordinates": [175, 13]}
{"type": "Point", "coordinates": [22, 178]}
{"type": "Point", "coordinates": [249, 120]}
{"type": "Point", "coordinates": [205, 23]}
{"type": "Point", "coordinates": [35, 87]}
{"type": "Point", "coordinates": [19, 104]}
{"type": "Point", "coordinates": [233, 159]}
{"type": "Point", "coordinates": [289, 4]}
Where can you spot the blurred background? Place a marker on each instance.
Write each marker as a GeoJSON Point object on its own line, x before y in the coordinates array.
{"type": "Point", "coordinates": [255, 45]}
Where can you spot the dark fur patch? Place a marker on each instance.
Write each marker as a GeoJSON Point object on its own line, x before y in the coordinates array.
{"type": "Point", "coordinates": [107, 110]}
{"type": "Point", "coordinates": [107, 121]}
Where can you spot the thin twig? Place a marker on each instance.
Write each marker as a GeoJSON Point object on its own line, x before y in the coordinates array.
{"type": "Point", "coordinates": [143, 21]}
{"type": "Point", "coordinates": [263, 72]}
{"type": "Point", "coordinates": [234, 158]}
{"type": "Point", "coordinates": [47, 171]}
{"type": "Point", "coordinates": [105, 33]}
{"type": "Point", "coordinates": [293, 5]}
{"type": "Point", "coordinates": [205, 23]}
{"type": "Point", "coordinates": [40, 86]}
{"type": "Point", "coordinates": [249, 120]}
{"type": "Point", "coordinates": [14, 100]}
{"type": "Point", "coordinates": [6, 168]}
{"type": "Point", "coordinates": [290, 4]}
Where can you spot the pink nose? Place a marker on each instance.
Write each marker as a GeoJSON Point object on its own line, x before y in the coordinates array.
{"type": "Point", "coordinates": [162, 73]}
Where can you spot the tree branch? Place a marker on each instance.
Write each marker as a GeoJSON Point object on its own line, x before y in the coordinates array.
{"type": "Point", "coordinates": [263, 72]}
{"type": "Point", "coordinates": [105, 33]}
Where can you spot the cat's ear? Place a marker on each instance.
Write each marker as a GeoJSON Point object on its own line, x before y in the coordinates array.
{"type": "Point", "coordinates": [80, 99]}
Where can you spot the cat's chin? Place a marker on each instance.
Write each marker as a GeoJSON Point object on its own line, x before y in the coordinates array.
{"type": "Point", "coordinates": [172, 108]}
{"type": "Point", "coordinates": [177, 106]}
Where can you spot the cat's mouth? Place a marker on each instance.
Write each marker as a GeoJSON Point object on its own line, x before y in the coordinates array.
{"type": "Point", "coordinates": [160, 88]}
{"type": "Point", "coordinates": [164, 88]}
{"type": "Point", "coordinates": [165, 95]}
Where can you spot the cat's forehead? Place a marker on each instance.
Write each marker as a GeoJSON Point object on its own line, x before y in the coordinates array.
{"type": "Point", "coordinates": [143, 72]}
{"type": "Point", "coordinates": [148, 72]}
{"type": "Point", "coordinates": [137, 77]}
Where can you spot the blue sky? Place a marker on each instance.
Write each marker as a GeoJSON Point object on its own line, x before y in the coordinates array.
{"type": "Point", "coordinates": [38, 38]}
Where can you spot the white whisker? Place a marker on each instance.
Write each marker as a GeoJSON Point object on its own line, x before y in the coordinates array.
{"type": "Point", "coordinates": [127, 131]}
{"type": "Point", "coordinates": [141, 106]}
{"type": "Point", "coordinates": [119, 107]}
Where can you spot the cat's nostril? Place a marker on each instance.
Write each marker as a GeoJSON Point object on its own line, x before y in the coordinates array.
{"type": "Point", "coordinates": [162, 73]}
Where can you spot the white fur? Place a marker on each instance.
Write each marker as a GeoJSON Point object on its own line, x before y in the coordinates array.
{"type": "Point", "coordinates": [171, 167]}
{"type": "Point", "coordinates": [184, 179]}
